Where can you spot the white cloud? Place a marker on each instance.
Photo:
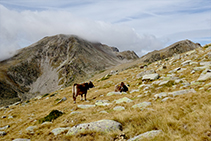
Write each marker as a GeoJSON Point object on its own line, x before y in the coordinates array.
{"type": "Point", "coordinates": [137, 25]}
{"type": "Point", "coordinates": [28, 27]}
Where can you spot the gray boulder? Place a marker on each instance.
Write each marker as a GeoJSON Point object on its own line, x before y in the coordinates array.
{"type": "Point", "coordinates": [58, 131]}
{"type": "Point", "coordinates": [153, 76]}
{"type": "Point", "coordinates": [85, 106]}
{"type": "Point", "coordinates": [5, 127]}
{"type": "Point", "coordinates": [204, 77]}
{"type": "Point", "coordinates": [180, 92]}
{"type": "Point", "coordinates": [98, 126]}
{"type": "Point", "coordinates": [140, 75]}
{"type": "Point", "coordinates": [20, 139]}
{"type": "Point", "coordinates": [124, 99]}
{"type": "Point", "coordinates": [142, 105]}
{"type": "Point", "coordinates": [115, 93]}
{"type": "Point", "coordinates": [146, 135]}
{"type": "Point", "coordinates": [102, 102]}
{"type": "Point", "coordinates": [2, 133]}
{"type": "Point", "coordinates": [119, 108]}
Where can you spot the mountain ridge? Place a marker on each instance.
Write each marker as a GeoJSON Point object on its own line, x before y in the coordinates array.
{"type": "Point", "coordinates": [55, 62]}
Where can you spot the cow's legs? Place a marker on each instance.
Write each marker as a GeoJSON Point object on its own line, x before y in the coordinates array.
{"type": "Point", "coordinates": [85, 96]}
{"type": "Point", "coordinates": [81, 97]}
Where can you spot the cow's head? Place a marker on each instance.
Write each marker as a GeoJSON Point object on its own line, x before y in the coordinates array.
{"type": "Point", "coordinates": [91, 85]}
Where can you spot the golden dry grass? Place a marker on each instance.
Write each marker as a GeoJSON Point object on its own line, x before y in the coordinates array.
{"type": "Point", "coordinates": [187, 117]}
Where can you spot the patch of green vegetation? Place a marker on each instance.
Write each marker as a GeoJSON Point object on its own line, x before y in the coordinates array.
{"type": "Point", "coordinates": [54, 114]}
{"type": "Point", "coordinates": [27, 101]}
{"type": "Point", "coordinates": [57, 99]}
{"type": "Point", "coordinates": [53, 94]}
{"type": "Point", "coordinates": [45, 95]}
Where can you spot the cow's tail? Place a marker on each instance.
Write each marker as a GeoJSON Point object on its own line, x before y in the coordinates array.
{"type": "Point", "coordinates": [74, 91]}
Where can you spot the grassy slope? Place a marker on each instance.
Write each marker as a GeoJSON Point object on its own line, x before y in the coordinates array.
{"type": "Point", "coordinates": [187, 117]}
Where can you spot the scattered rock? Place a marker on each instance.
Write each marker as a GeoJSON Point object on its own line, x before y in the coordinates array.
{"type": "Point", "coordinates": [21, 139]}
{"type": "Point", "coordinates": [102, 102]}
{"type": "Point", "coordinates": [30, 129]}
{"type": "Point", "coordinates": [63, 99]}
{"type": "Point", "coordinates": [119, 108]}
{"type": "Point", "coordinates": [150, 77]}
{"type": "Point", "coordinates": [160, 95]}
{"type": "Point", "coordinates": [75, 112]}
{"type": "Point", "coordinates": [146, 135]}
{"type": "Point", "coordinates": [140, 75]}
{"type": "Point", "coordinates": [85, 106]}
{"type": "Point", "coordinates": [167, 98]}
{"type": "Point", "coordinates": [58, 131]}
{"type": "Point", "coordinates": [115, 93]}
{"type": "Point", "coordinates": [3, 133]}
{"type": "Point", "coordinates": [5, 127]}
{"type": "Point", "coordinates": [133, 91]}
{"type": "Point", "coordinates": [142, 105]}
{"type": "Point", "coordinates": [180, 92]}
{"type": "Point", "coordinates": [204, 77]}
{"type": "Point", "coordinates": [124, 99]}
{"type": "Point", "coordinates": [98, 126]}
{"type": "Point", "coordinates": [186, 62]}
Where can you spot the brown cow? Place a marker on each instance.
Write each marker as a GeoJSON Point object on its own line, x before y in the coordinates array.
{"type": "Point", "coordinates": [121, 88]}
{"type": "Point", "coordinates": [81, 89]}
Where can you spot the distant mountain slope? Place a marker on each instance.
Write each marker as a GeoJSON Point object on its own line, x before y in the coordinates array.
{"type": "Point", "coordinates": [52, 63]}
{"type": "Point", "coordinates": [176, 48]}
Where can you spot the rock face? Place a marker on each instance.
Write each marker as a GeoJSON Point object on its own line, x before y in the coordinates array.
{"type": "Point", "coordinates": [52, 63]}
{"type": "Point", "coordinates": [176, 48]}
{"type": "Point", "coordinates": [99, 126]}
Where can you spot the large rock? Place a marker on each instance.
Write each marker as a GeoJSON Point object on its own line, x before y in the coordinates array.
{"type": "Point", "coordinates": [181, 92]}
{"type": "Point", "coordinates": [140, 75]}
{"type": "Point", "coordinates": [21, 139]}
{"type": "Point", "coordinates": [115, 93]}
{"type": "Point", "coordinates": [58, 131]}
{"type": "Point", "coordinates": [85, 106]}
{"type": "Point", "coordinates": [98, 126]}
{"type": "Point", "coordinates": [142, 105]}
{"type": "Point", "coordinates": [119, 108]}
{"type": "Point", "coordinates": [102, 102]}
{"type": "Point", "coordinates": [150, 77]}
{"type": "Point", "coordinates": [3, 133]}
{"type": "Point", "coordinates": [204, 77]}
{"type": "Point", "coordinates": [147, 135]}
{"type": "Point", "coordinates": [124, 99]}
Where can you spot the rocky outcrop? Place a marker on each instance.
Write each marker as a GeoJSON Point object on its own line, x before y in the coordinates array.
{"type": "Point", "coordinates": [98, 126]}
{"type": "Point", "coordinates": [176, 48]}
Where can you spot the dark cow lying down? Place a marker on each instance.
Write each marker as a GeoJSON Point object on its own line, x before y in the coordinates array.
{"type": "Point", "coordinates": [121, 88]}
{"type": "Point", "coordinates": [81, 89]}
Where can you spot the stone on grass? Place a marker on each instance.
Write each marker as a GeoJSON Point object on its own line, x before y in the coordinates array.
{"type": "Point", "coordinates": [119, 108]}
{"type": "Point", "coordinates": [167, 98]}
{"type": "Point", "coordinates": [124, 99]}
{"type": "Point", "coordinates": [3, 133]}
{"type": "Point", "coordinates": [146, 135]}
{"type": "Point", "coordinates": [186, 63]}
{"type": "Point", "coordinates": [75, 112]}
{"type": "Point", "coordinates": [181, 92]}
{"type": "Point", "coordinates": [204, 77]}
{"type": "Point", "coordinates": [115, 93]}
{"type": "Point", "coordinates": [85, 106]}
{"type": "Point", "coordinates": [58, 131]}
{"type": "Point", "coordinates": [63, 99]}
{"type": "Point", "coordinates": [160, 95]}
{"type": "Point", "coordinates": [31, 129]}
{"type": "Point", "coordinates": [133, 91]}
{"type": "Point", "coordinates": [20, 139]}
{"type": "Point", "coordinates": [153, 76]}
{"type": "Point", "coordinates": [142, 105]}
{"type": "Point", "coordinates": [98, 126]}
{"type": "Point", "coordinates": [5, 127]}
{"type": "Point", "coordinates": [140, 75]}
{"type": "Point", "coordinates": [102, 102]}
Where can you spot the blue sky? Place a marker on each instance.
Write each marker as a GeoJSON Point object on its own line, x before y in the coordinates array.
{"type": "Point", "coordinates": [138, 25]}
